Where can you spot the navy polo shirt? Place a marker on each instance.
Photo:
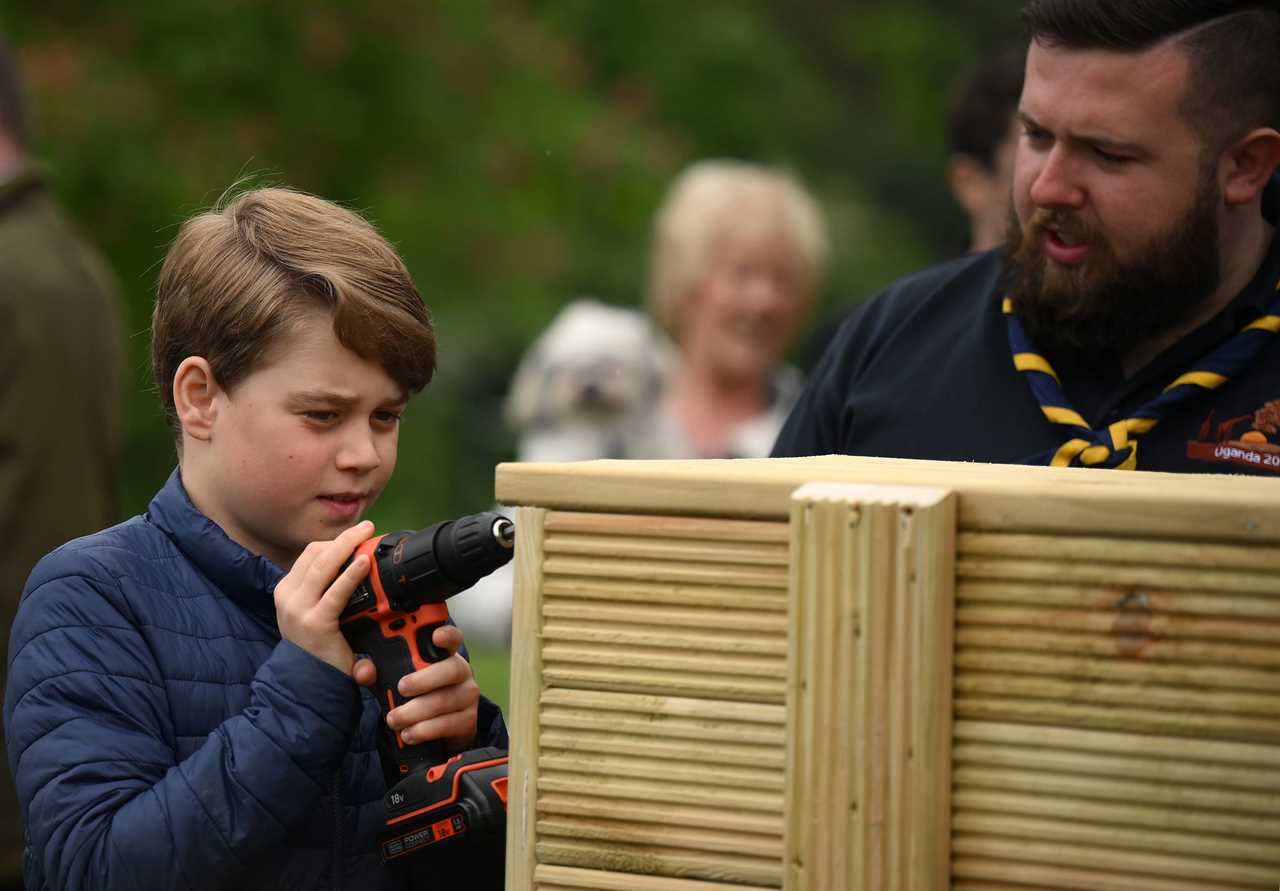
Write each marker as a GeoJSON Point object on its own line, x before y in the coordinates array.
{"type": "Point", "coordinates": [924, 370]}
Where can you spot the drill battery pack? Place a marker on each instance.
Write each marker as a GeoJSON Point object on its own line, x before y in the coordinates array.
{"type": "Point", "coordinates": [461, 803]}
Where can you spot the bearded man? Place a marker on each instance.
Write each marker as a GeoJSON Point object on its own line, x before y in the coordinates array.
{"type": "Point", "coordinates": [1131, 320]}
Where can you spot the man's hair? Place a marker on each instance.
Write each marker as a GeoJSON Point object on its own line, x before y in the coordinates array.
{"type": "Point", "coordinates": [14, 122]}
{"type": "Point", "coordinates": [983, 105]}
{"type": "Point", "coordinates": [1232, 46]}
{"type": "Point", "coordinates": [240, 278]}
{"type": "Point", "coordinates": [712, 200]}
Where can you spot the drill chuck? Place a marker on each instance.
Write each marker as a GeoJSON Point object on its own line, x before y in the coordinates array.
{"type": "Point", "coordinates": [435, 563]}
{"type": "Point", "coordinates": [474, 546]}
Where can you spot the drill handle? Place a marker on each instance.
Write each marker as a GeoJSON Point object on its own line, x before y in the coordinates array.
{"type": "Point", "coordinates": [398, 647]}
{"type": "Point", "coordinates": [399, 759]}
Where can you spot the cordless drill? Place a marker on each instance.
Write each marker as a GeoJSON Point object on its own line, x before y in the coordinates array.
{"type": "Point", "coordinates": [431, 798]}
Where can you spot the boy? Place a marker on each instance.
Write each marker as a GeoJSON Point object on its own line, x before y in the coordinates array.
{"type": "Point", "coordinates": [182, 710]}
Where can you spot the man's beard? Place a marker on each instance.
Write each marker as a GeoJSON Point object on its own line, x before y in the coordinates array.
{"type": "Point", "coordinates": [1104, 306]}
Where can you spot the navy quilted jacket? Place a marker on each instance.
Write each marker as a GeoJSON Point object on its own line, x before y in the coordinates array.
{"type": "Point", "coordinates": [162, 735]}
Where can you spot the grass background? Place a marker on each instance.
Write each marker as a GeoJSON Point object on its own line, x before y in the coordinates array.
{"type": "Point", "coordinates": [492, 667]}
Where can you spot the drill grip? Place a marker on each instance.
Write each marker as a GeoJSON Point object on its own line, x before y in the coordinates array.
{"type": "Point", "coordinates": [399, 647]}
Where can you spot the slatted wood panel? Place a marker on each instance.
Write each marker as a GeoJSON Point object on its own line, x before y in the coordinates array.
{"type": "Point", "coordinates": [561, 878]}
{"type": "Point", "coordinates": [662, 723]}
{"type": "Point", "coordinates": [1117, 712]}
{"type": "Point", "coordinates": [1114, 693]}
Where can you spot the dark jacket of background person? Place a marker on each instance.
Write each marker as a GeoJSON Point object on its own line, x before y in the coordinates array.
{"type": "Point", "coordinates": [223, 755]}
{"type": "Point", "coordinates": [61, 357]}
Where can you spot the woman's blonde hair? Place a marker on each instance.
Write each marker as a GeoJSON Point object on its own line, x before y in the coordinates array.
{"type": "Point", "coordinates": [239, 278]}
{"type": "Point", "coordinates": [712, 200]}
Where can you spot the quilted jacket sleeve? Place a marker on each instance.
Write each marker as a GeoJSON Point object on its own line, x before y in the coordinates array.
{"type": "Point", "coordinates": [90, 743]}
{"type": "Point", "coordinates": [491, 729]}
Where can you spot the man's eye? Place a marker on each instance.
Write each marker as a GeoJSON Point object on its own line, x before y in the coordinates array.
{"type": "Point", "coordinates": [1108, 158]}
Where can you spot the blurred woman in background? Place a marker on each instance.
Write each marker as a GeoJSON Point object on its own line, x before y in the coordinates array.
{"type": "Point", "coordinates": [738, 251]}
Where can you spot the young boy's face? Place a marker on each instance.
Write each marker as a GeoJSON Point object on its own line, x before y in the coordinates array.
{"type": "Point", "coordinates": [302, 446]}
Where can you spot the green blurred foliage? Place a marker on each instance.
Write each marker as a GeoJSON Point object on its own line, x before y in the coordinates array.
{"type": "Point", "coordinates": [514, 152]}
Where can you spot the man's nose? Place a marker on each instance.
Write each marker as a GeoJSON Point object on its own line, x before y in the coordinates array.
{"type": "Point", "coordinates": [1056, 183]}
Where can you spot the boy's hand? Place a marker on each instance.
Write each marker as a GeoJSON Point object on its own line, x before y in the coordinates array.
{"type": "Point", "coordinates": [445, 699]}
{"type": "Point", "coordinates": [312, 596]}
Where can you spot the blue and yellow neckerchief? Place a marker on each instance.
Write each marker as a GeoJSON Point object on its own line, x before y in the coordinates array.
{"type": "Point", "coordinates": [1116, 446]}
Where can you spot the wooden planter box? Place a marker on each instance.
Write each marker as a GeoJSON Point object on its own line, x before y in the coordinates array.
{"type": "Point", "coordinates": [840, 673]}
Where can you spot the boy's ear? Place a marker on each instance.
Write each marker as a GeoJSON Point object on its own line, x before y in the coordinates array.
{"type": "Point", "coordinates": [194, 392]}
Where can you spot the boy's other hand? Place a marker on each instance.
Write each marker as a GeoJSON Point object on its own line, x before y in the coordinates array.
{"type": "Point", "coordinates": [312, 596]}
{"type": "Point", "coordinates": [445, 698]}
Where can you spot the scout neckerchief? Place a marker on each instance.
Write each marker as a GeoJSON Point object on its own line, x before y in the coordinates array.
{"type": "Point", "coordinates": [1116, 445]}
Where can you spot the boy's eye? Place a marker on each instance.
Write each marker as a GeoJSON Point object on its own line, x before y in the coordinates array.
{"type": "Point", "coordinates": [1035, 136]}
{"type": "Point", "coordinates": [387, 417]}
{"type": "Point", "coordinates": [320, 415]}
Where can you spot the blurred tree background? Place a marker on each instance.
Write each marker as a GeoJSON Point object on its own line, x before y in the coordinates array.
{"type": "Point", "coordinates": [513, 150]}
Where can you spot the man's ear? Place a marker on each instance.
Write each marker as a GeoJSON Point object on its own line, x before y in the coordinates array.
{"type": "Point", "coordinates": [970, 184]}
{"type": "Point", "coordinates": [194, 397]}
{"type": "Point", "coordinates": [1248, 164]}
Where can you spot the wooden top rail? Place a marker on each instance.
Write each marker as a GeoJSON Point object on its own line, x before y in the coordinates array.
{"type": "Point", "coordinates": [1108, 503]}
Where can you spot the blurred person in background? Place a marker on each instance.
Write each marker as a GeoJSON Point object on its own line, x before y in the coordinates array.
{"type": "Point", "coordinates": [738, 251]}
{"type": "Point", "coordinates": [982, 136]}
{"type": "Point", "coordinates": [61, 364]}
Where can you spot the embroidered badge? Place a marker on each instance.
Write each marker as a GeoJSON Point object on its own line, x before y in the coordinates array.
{"type": "Point", "coordinates": [1249, 440]}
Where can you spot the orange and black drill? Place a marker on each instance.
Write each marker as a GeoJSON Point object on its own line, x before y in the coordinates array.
{"type": "Point", "coordinates": [431, 798]}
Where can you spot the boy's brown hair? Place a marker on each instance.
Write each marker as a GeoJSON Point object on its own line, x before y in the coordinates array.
{"type": "Point", "coordinates": [240, 277]}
